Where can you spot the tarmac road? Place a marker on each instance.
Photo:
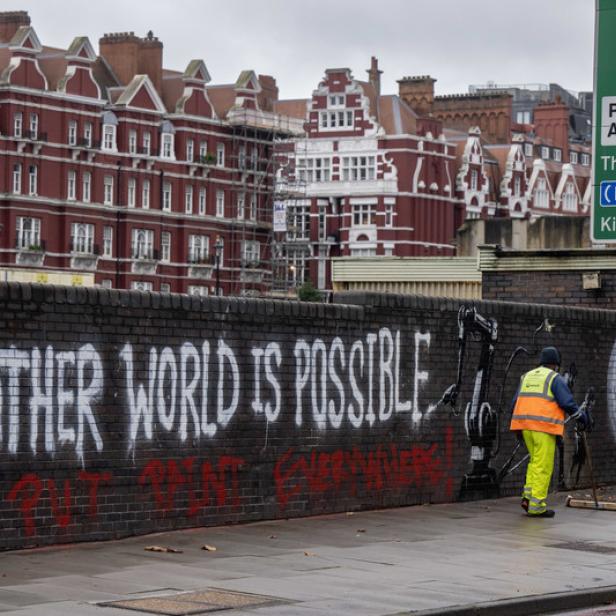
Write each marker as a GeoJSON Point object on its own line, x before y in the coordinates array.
{"type": "Point", "coordinates": [378, 563]}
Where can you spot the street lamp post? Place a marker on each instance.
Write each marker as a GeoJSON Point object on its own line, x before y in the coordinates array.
{"type": "Point", "coordinates": [218, 246]}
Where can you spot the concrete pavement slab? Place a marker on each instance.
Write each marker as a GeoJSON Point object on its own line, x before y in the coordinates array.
{"type": "Point", "coordinates": [404, 559]}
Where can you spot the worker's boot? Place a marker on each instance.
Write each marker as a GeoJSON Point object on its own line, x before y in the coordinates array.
{"type": "Point", "coordinates": [524, 504]}
{"type": "Point", "coordinates": [548, 513]}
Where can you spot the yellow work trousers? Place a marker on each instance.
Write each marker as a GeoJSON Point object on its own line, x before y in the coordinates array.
{"type": "Point", "coordinates": [541, 447]}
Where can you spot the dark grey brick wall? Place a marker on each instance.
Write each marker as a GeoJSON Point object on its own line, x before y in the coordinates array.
{"type": "Point", "coordinates": [547, 287]}
{"type": "Point", "coordinates": [203, 427]}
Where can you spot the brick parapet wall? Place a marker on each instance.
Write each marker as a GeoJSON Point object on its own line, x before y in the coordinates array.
{"type": "Point", "coordinates": [549, 287]}
{"type": "Point", "coordinates": [309, 408]}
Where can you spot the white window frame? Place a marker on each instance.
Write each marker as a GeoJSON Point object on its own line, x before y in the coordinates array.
{"type": "Point", "coordinates": [71, 185]}
{"type": "Point", "coordinates": [573, 158]}
{"type": "Point", "coordinates": [545, 152]}
{"type": "Point", "coordinates": [131, 192]}
{"type": "Point", "coordinates": [299, 222]}
{"type": "Point", "coordinates": [557, 154]}
{"type": "Point", "coordinates": [570, 199]}
{"type": "Point", "coordinates": [240, 205]}
{"type": "Point", "coordinates": [528, 149]}
{"type": "Point", "coordinates": [165, 287]}
{"type": "Point", "coordinates": [253, 207]}
{"type": "Point", "coordinates": [17, 178]}
{"type": "Point", "coordinates": [132, 141]}
{"type": "Point", "coordinates": [363, 214]}
{"type": "Point", "coordinates": [142, 244]}
{"type": "Point", "coordinates": [190, 150]}
{"type": "Point", "coordinates": [108, 241]}
{"type": "Point", "coordinates": [72, 132]}
{"type": "Point", "coordinates": [142, 285]}
{"type": "Point", "coordinates": [188, 199]}
{"type": "Point", "coordinates": [517, 186]}
{"type": "Point", "coordinates": [86, 187]}
{"type": "Point", "coordinates": [585, 159]}
{"type": "Point", "coordinates": [145, 194]}
{"type": "Point", "coordinates": [220, 155]}
{"type": "Point", "coordinates": [167, 144]}
{"type": "Point", "coordinates": [87, 134]}
{"type": "Point", "coordinates": [167, 197]}
{"type": "Point", "coordinates": [358, 168]}
{"type": "Point", "coordinates": [198, 248]}
{"type": "Point", "coordinates": [220, 203]}
{"type": "Point", "coordinates": [389, 215]}
{"type": "Point", "coordinates": [109, 138]}
{"type": "Point", "coordinates": [542, 194]}
{"type": "Point", "coordinates": [108, 190]}
{"type": "Point", "coordinates": [18, 124]}
{"type": "Point", "coordinates": [28, 232]}
{"type": "Point", "coordinates": [251, 252]}
{"type": "Point", "coordinates": [34, 125]}
{"type": "Point", "coordinates": [165, 246]}
{"type": "Point", "coordinates": [198, 290]}
{"type": "Point", "coordinates": [474, 179]}
{"type": "Point", "coordinates": [311, 170]}
{"type": "Point", "coordinates": [202, 201]}
{"type": "Point", "coordinates": [82, 238]}
{"type": "Point", "coordinates": [147, 143]}
{"type": "Point", "coordinates": [33, 180]}
{"type": "Point", "coordinates": [242, 157]}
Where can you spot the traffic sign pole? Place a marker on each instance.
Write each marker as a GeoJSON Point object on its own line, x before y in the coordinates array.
{"type": "Point", "coordinates": [603, 216]}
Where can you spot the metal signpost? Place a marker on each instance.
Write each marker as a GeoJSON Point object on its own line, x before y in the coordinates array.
{"type": "Point", "coordinates": [604, 129]}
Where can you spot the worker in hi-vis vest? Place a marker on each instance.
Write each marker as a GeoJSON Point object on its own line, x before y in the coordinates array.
{"type": "Point", "coordinates": [539, 408]}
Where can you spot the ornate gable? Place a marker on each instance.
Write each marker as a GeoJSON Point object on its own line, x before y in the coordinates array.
{"type": "Point", "coordinates": [79, 79]}
{"type": "Point", "coordinates": [194, 100]}
{"type": "Point", "coordinates": [514, 184]}
{"type": "Point", "coordinates": [247, 88]}
{"type": "Point", "coordinates": [140, 93]}
{"type": "Point", "coordinates": [23, 68]}
{"type": "Point", "coordinates": [472, 181]}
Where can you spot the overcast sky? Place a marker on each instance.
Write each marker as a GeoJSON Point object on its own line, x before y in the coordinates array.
{"type": "Point", "coordinates": [460, 42]}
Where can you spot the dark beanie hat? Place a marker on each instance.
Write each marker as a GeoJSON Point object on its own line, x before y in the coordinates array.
{"type": "Point", "coordinates": [549, 356]}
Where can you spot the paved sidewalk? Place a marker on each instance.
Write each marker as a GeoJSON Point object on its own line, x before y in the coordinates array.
{"type": "Point", "coordinates": [370, 563]}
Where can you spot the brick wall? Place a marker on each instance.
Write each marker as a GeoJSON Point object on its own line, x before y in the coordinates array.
{"type": "Point", "coordinates": [548, 287]}
{"type": "Point", "coordinates": [126, 412]}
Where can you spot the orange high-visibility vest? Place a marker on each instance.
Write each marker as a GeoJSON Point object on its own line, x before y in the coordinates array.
{"type": "Point", "coordinates": [536, 409]}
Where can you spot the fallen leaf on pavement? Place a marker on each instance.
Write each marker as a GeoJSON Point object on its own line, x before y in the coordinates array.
{"type": "Point", "coordinates": [309, 554]}
{"type": "Point", "coordinates": [273, 536]}
{"type": "Point", "coordinates": [361, 530]}
{"type": "Point", "coordinates": [208, 548]}
{"type": "Point", "coordinates": [160, 548]}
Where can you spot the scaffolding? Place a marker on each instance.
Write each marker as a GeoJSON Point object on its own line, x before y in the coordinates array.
{"type": "Point", "coordinates": [254, 192]}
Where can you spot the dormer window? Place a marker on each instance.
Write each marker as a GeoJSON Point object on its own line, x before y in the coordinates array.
{"type": "Point", "coordinates": [545, 152]}
{"type": "Point", "coordinates": [557, 155]}
{"type": "Point", "coordinates": [110, 126]}
{"type": "Point", "coordinates": [573, 157]}
{"type": "Point", "coordinates": [167, 138]}
{"type": "Point", "coordinates": [528, 149]}
{"type": "Point", "coordinates": [586, 159]}
{"type": "Point", "coordinates": [336, 100]}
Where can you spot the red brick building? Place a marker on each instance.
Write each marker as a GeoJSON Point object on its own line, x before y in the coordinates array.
{"type": "Point", "coordinates": [369, 177]}
{"type": "Point", "coordinates": [117, 167]}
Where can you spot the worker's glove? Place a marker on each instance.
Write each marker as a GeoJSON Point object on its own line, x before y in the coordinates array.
{"type": "Point", "coordinates": [582, 419]}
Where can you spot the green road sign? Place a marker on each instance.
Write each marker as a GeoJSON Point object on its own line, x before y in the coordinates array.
{"type": "Point", "coordinates": [604, 125]}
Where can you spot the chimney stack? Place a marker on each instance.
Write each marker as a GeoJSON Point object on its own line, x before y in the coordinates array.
{"type": "Point", "coordinates": [128, 55]}
{"type": "Point", "coordinates": [374, 75]}
{"type": "Point", "coordinates": [10, 22]}
{"type": "Point", "coordinates": [269, 92]}
{"type": "Point", "coordinates": [418, 93]}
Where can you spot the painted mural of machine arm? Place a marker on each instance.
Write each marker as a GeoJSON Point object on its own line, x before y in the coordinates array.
{"type": "Point", "coordinates": [482, 421]}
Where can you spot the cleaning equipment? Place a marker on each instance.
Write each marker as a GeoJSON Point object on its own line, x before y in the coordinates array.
{"type": "Point", "coordinates": [587, 457]}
